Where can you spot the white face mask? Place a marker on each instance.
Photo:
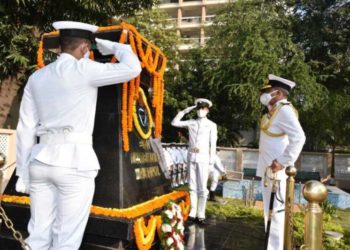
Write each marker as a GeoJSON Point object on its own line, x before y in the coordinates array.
{"type": "Point", "coordinates": [87, 54]}
{"type": "Point", "coordinates": [201, 113]}
{"type": "Point", "coordinates": [266, 98]}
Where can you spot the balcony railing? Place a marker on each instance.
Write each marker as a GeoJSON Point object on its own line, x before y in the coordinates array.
{"type": "Point", "coordinates": [169, 1]}
{"type": "Point", "coordinates": [191, 20]}
{"type": "Point", "coordinates": [209, 19]}
{"type": "Point", "coordinates": [191, 40]}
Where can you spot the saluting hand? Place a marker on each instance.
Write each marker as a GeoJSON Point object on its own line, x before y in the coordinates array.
{"type": "Point", "coordinates": [107, 47]}
{"type": "Point", "coordinates": [189, 109]}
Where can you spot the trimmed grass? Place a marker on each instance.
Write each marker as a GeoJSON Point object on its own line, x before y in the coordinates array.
{"type": "Point", "coordinates": [252, 218]}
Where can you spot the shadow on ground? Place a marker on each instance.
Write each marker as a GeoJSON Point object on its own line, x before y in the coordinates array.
{"type": "Point", "coordinates": [233, 234]}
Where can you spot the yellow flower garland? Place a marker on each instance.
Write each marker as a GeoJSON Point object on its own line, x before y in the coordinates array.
{"type": "Point", "coordinates": [149, 115]}
{"type": "Point", "coordinates": [144, 235]}
{"type": "Point", "coordinates": [128, 213]}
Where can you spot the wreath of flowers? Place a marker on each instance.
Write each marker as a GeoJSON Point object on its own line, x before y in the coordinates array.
{"type": "Point", "coordinates": [172, 229]}
{"type": "Point", "coordinates": [151, 58]}
{"type": "Point", "coordinates": [144, 135]}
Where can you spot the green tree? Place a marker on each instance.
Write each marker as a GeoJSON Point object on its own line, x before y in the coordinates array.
{"type": "Point", "coordinates": [22, 21]}
{"type": "Point", "coordinates": [250, 40]}
{"type": "Point", "coordinates": [322, 29]}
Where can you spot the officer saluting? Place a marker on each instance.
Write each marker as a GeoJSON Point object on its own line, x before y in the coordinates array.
{"type": "Point", "coordinates": [201, 154]}
{"type": "Point", "coordinates": [58, 106]}
{"type": "Point", "coordinates": [281, 141]}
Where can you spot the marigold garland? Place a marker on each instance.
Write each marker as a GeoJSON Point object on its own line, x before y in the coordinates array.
{"type": "Point", "coordinates": [137, 87]}
{"type": "Point", "coordinates": [125, 136]}
{"type": "Point", "coordinates": [131, 104]}
{"type": "Point", "coordinates": [128, 213]}
{"type": "Point", "coordinates": [144, 235]}
{"type": "Point", "coordinates": [40, 52]}
{"type": "Point", "coordinates": [150, 57]}
{"type": "Point", "coordinates": [149, 115]}
{"type": "Point", "coordinates": [92, 55]}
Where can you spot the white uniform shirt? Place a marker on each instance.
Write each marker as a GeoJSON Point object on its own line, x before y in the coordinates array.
{"type": "Point", "coordinates": [63, 95]}
{"type": "Point", "coordinates": [285, 149]}
{"type": "Point", "coordinates": [202, 138]}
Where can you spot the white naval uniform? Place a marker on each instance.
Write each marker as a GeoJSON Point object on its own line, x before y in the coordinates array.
{"type": "Point", "coordinates": [216, 170]}
{"type": "Point", "coordinates": [168, 159]}
{"type": "Point", "coordinates": [59, 105]}
{"type": "Point", "coordinates": [201, 153]}
{"type": "Point", "coordinates": [283, 140]}
{"type": "Point", "coordinates": [174, 169]}
{"type": "Point", "coordinates": [184, 154]}
{"type": "Point", "coordinates": [180, 167]}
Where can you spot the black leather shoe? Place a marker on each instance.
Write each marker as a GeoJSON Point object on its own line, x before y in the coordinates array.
{"type": "Point", "coordinates": [212, 196]}
{"type": "Point", "coordinates": [191, 220]}
{"type": "Point", "coordinates": [202, 222]}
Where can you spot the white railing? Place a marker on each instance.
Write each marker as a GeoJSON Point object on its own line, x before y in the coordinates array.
{"type": "Point", "coordinates": [191, 20]}
{"type": "Point", "coordinates": [209, 19]}
{"type": "Point", "coordinates": [191, 40]}
{"type": "Point", "coordinates": [167, 1]}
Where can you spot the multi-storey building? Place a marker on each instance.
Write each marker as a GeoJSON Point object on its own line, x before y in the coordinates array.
{"type": "Point", "coordinates": [191, 17]}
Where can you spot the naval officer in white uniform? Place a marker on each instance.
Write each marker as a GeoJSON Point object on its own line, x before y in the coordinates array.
{"type": "Point", "coordinates": [281, 141]}
{"type": "Point", "coordinates": [201, 154]}
{"type": "Point", "coordinates": [58, 106]}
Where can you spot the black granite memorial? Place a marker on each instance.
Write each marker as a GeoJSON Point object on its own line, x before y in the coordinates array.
{"type": "Point", "coordinates": [125, 178]}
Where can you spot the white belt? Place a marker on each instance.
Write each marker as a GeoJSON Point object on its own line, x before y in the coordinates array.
{"type": "Point", "coordinates": [66, 138]}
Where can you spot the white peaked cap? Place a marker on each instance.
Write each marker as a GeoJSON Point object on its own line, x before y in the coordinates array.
{"type": "Point", "coordinates": [203, 100]}
{"type": "Point", "coordinates": [75, 29]}
{"type": "Point", "coordinates": [60, 25]}
{"type": "Point", "coordinates": [281, 82]}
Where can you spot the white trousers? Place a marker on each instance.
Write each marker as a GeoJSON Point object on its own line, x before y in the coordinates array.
{"type": "Point", "coordinates": [214, 179]}
{"type": "Point", "coordinates": [197, 180]}
{"type": "Point", "coordinates": [276, 237]}
{"type": "Point", "coordinates": [60, 201]}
